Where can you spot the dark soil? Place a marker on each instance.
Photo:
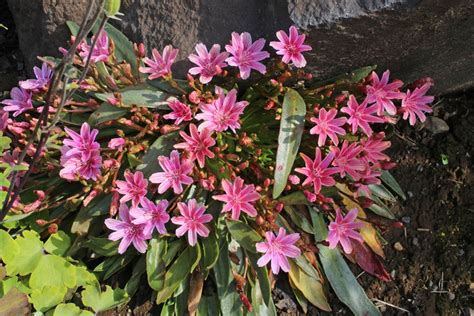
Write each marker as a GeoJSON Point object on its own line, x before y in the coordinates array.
{"type": "Point", "coordinates": [432, 275]}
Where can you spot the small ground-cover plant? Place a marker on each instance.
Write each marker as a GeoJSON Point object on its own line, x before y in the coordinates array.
{"type": "Point", "coordinates": [207, 189]}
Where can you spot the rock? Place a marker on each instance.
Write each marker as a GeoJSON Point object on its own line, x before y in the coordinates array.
{"type": "Point", "coordinates": [415, 242]}
{"type": "Point", "coordinates": [432, 38]}
{"type": "Point", "coordinates": [398, 246]}
{"type": "Point", "coordinates": [313, 13]}
{"type": "Point", "coordinates": [451, 296]}
{"type": "Point", "coordinates": [436, 125]}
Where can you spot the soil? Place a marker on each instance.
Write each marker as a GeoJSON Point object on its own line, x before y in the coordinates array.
{"type": "Point", "coordinates": [432, 270]}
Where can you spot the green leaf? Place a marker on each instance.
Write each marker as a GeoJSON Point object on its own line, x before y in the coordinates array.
{"type": "Point", "coordinates": [298, 219]}
{"type": "Point", "coordinates": [341, 278]}
{"type": "Point", "coordinates": [289, 139]}
{"type": "Point", "coordinates": [106, 112]}
{"type": "Point", "coordinates": [123, 47]}
{"type": "Point", "coordinates": [9, 248]}
{"type": "Point", "coordinates": [294, 198]}
{"type": "Point", "coordinates": [140, 95]}
{"type": "Point", "coordinates": [70, 309]}
{"type": "Point", "coordinates": [382, 192]}
{"type": "Point", "coordinates": [179, 270]}
{"type": "Point", "coordinates": [209, 305]}
{"type": "Point", "coordinates": [15, 303]}
{"type": "Point", "coordinates": [155, 264]}
{"type": "Point", "coordinates": [112, 265]}
{"type": "Point", "coordinates": [73, 27]}
{"type": "Point", "coordinates": [58, 243]}
{"type": "Point", "coordinates": [229, 299]}
{"type": "Point", "coordinates": [210, 251]}
{"type": "Point", "coordinates": [161, 147]}
{"type": "Point", "coordinates": [166, 86]}
{"type": "Point", "coordinates": [84, 276]}
{"type": "Point", "coordinates": [135, 279]}
{"type": "Point", "coordinates": [101, 301]}
{"type": "Point", "coordinates": [361, 73]}
{"type": "Point", "coordinates": [243, 234]}
{"type": "Point", "coordinates": [53, 271]}
{"type": "Point", "coordinates": [260, 306]}
{"type": "Point", "coordinates": [389, 180]}
{"type": "Point", "coordinates": [8, 283]}
{"type": "Point", "coordinates": [30, 252]}
{"type": "Point", "coordinates": [263, 280]}
{"type": "Point", "coordinates": [102, 246]}
{"type": "Point", "coordinates": [43, 299]}
{"type": "Point", "coordinates": [310, 287]}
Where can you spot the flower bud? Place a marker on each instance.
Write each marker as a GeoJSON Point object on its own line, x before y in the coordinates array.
{"type": "Point", "coordinates": [111, 7]}
{"type": "Point", "coordinates": [53, 228]}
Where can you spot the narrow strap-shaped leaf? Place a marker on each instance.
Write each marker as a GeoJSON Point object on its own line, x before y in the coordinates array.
{"type": "Point", "coordinates": [341, 278]}
{"type": "Point", "coordinates": [389, 180]}
{"type": "Point", "coordinates": [289, 139]}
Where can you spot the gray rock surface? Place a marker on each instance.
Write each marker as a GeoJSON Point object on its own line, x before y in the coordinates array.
{"type": "Point", "coordinates": [419, 38]}
{"type": "Point", "coordinates": [313, 13]}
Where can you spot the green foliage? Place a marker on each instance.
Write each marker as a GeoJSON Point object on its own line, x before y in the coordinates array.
{"type": "Point", "coordinates": [289, 139]}
{"type": "Point", "coordinates": [99, 301]}
{"type": "Point", "coordinates": [339, 275]}
{"type": "Point", "coordinates": [40, 271]}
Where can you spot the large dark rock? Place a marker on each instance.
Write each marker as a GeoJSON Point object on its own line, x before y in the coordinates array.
{"type": "Point", "coordinates": [419, 38]}
{"type": "Point", "coordinates": [435, 38]}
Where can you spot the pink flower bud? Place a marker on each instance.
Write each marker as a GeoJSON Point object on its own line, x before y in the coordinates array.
{"type": "Point", "coordinates": [117, 143]}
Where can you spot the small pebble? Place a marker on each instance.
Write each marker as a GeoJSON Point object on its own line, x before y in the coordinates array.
{"type": "Point", "coordinates": [406, 219]}
{"type": "Point", "coordinates": [393, 274]}
{"type": "Point", "coordinates": [451, 296]}
{"type": "Point", "coordinates": [460, 252]}
{"type": "Point", "coordinates": [398, 246]}
{"type": "Point", "coordinates": [410, 194]}
{"type": "Point", "coordinates": [416, 242]}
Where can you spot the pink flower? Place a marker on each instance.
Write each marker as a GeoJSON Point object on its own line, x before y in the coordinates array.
{"type": "Point", "coordinates": [328, 125]}
{"type": "Point", "coordinates": [346, 160]}
{"type": "Point", "coordinates": [344, 229]}
{"type": "Point", "coordinates": [223, 113]}
{"type": "Point", "coordinates": [126, 230]}
{"type": "Point", "coordinates": [318, 172]}
{"type": "Point", "coordinates": [159, 66]}
{"type": "Point", "coordinates": [192, 221]}
{"type": "Point", "coordinates": [80, 155]}
{"type": "Point", "coordinates": [181, 112]}
{"type": "Point", "coordinates": [238, 197]}
{"type": "Point", "coordinates": [382, 93]}
{"type": "Point", "coordinates": [370, 175]}
{"type": "Point", "coordinates": [291, 47]}
{"type": "Point", "coordinates": [361, 115]}
{"type": "Point", "coordinates": [246, 55]}
{"type": "Point", "coordinates": [134, 188]}
{"type": "Point", "coordinates": [19, 103]}
{"type": "Point", "coordinates": [4, 120]}
{"type": "Point", "coordinates": [43, 77]}
{"type": "Point", "coordinates": [277, 249]}
{"type": "Point", "coordinates": [209, 64]}
{"type": "Point", "coordinates": [372, 148]}
{"type": "Point", "coordinates": [175, 173]}
{"type": "Point", "coordinates": [116, 143]}
{"type": "Point", "coordinates": [197, 144]}
{"type": "Point", "coordinates": [152, 215]}
{"type": "Point", "coordinates": [415, 103]}
{"type": "Point", "coordinates": [100, 51]}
